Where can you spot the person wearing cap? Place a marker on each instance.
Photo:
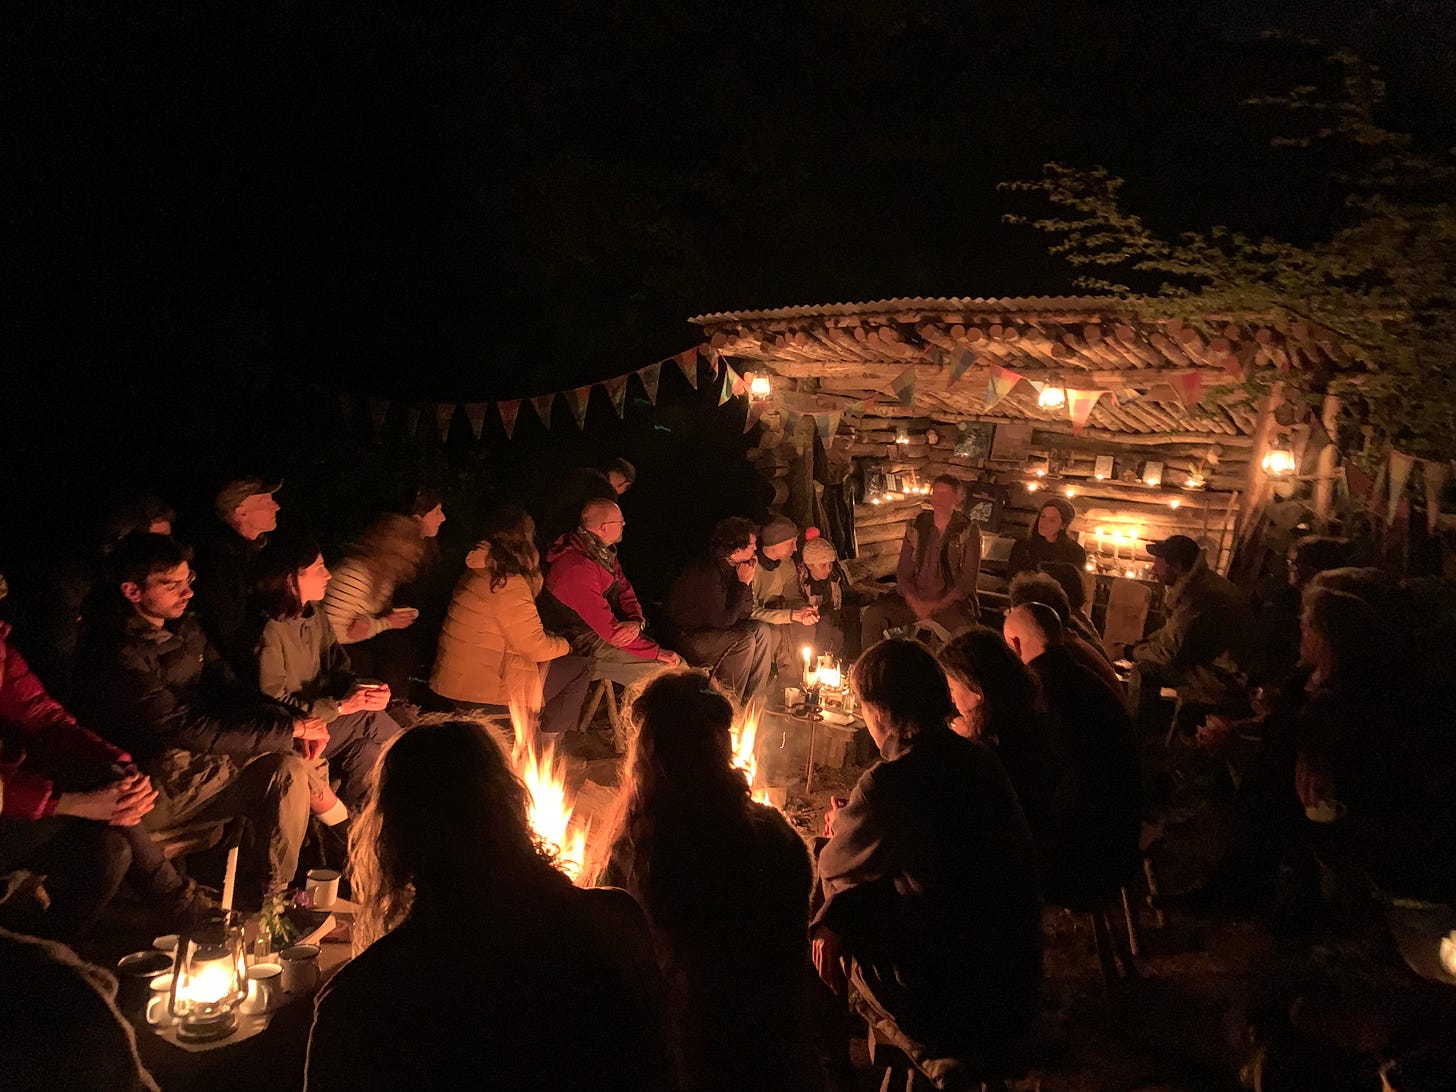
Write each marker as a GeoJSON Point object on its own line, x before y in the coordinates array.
{"type": "Point", "coordinates": [1202, 645]}
{"type": "Point", "coordinates": [226, 558]}
{"type": "Point", "coordinates": [776, 596]}
{"type": "Point", "coordinates": [1048, 539]}
{"type": "Point", "coordinates": [940, 564]}
{"type": "Point", "coordinates": [822, 584]}
{"type": "Point", "coordinates": [558, 511]}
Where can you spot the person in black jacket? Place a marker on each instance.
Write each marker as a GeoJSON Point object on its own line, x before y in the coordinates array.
{"type": "Point", "coordinates": [1091, 848]}
{"type": "Point", "coordinates": [213, 749]}
{"type": "Point", "coordinates": [1048, 539]}
{"type": "Point", "coordinates": [709, 607]}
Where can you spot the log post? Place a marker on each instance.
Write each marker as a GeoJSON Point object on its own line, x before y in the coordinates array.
{"type": "Point", "coordinates": [1324, 483]}
{"type": "Point", "coordinates": [1256, 483]}
{"type": "Point", "coordinates": [800, 507]}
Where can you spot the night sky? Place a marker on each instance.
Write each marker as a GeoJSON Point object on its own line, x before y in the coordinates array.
{"type": "Point", "coordinates": [515, 198]}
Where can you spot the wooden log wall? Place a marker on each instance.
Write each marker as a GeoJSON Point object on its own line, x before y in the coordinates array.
{"type": "Point", "coordinates": [1132, 508]}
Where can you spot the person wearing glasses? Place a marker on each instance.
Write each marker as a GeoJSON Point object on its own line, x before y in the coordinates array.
{"type": "Point", "coordinates": [709, 612]}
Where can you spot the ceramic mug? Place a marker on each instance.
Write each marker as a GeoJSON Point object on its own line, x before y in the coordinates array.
{"type": "Point", "coordinates": [264, 982]}
{"type": "Point", "coordinates": [322, 888]}
{"type": "Point", "coordinates": [300, 967]}
{"type": "Point", "coordinates": [159, 1010]}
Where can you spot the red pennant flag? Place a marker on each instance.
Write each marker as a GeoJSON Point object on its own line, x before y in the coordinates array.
{"type": "Point", "coordinates": [444, 414]}
{"type": "Point", "coordinates": [577, 398]}
{"type": "Point", "coordinates": [1079, 407]}
{"type": "Point", "coordinates": [688, 362]}
{"type": "Point", "coordinates": [650, 376]}
{"type": "Point", "coordinates": [616, 389]}
{"type": "Point", "coordinates": [904, 386]}
{"type": "Point", "coordinates": [542, 405]}
{"type": "Point", "coordinates": [1188, 386]}
{"type": "Point", "coordinates": [475, 414]}
{"type": "Point", "coordinates": [740, 385]}
{"type": "Point", "coordinates": [1400, 468]}
{"type": "Point", "coordinates": [509, 410]}
{"type": "Point", "coordinates": [1000, 383]}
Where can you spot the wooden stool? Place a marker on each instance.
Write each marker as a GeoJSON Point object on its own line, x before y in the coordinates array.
{"type": "Point", "coordinates": [605, 690]}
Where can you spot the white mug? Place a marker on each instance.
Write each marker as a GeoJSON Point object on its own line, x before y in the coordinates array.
{"type": "Point", "coordinates": [300, 967]}
{"type": "Point", "coordinates": [263, 985]}
{"type": "Point", "coordinates": [322, 888]}
{"type": "Point", "coordinates": [159, 1011]}
{"type": "Point", "coordinates": [792, 696]}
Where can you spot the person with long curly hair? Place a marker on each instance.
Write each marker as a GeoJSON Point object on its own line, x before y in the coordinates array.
{"type": "Point", "coordinates": [725, 883]}
{"type": "Point", "coordinates": [493, 649]}
{"type": "Point", "coordinates": [474, 954]}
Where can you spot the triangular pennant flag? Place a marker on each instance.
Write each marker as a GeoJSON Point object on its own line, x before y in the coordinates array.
{"type": "Point", "coordinates": [1435, 475]}
{"type": "Point", "coordinates": [740, 385]}
{"type": "Point", "coordinates": [616, 389]}
{"type": "Point", "coordinates": [542, 405]}
{"type": "Point", "coordinates": [935, 354]}
{"type": "Point", "coordinates": [1400, 468]}
{"type": "Point", "coordinates": [1162, 392]}
{"type": "Point", "coordinates": [346, 406]}
{"type": "Point", "coordinates": [444, 414]}
{"type": "Point", "coordinates": [960, 361]}
{"type": "Point", "coordinates": [578, 398]}
{"type": "Point", "coordinates": [378, 411]}
{"type": "Point", "coordinates": [412, 411]}
{"type": "Point", "coordinates": [828, 425]}
{"type": "Point", "coordinates": [509, 410]}
{"type": "Point", "coordinates": [1001, 382]}
{"type": "Point", "coordinates": [727, 391]}
{"type": "Point", "coordinates": [650, 376]}
{"type": "Point", "coordinates": [1079, 407]}
{"type": "Point", "coordinates": [856, 409]}
{"type": "Point", "coordinates": [1188, 386]}
{"type": "Point", "coordinates": [904, 386]}
{"type": "Point", "coordinates": [716, 359]}
{"type": "Point", "coordinates": [475, 414]}
{"type": "Point", "coordinates": [755, 411]}
{"type": "Point", "coordinates": [688, 362]}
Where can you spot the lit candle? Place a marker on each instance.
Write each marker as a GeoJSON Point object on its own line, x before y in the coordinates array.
{"type": "Point", "coordinates": [1174, 503]}
{"type": "Point", "coordinates": [1099, 539]}
{"type": "Point", "coordinates": [1116, 544]}
{"type": "Point", "coordinates": [811, 677]}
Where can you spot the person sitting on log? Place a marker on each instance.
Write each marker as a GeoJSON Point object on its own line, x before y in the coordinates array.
{"type": "Point", "coordinates": [940, 564]}
{"type": "Point", "coordinates": [589, 600]}
{"type": "Point", "coordinates": [709, 611]}
{"type": "Point", "coordinates": [1048, 539]}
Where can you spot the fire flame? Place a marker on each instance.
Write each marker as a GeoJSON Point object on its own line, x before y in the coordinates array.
{"type": "Point", "coordinates": [745, 737]}
{"type": "Point", "coordinates": [550, 811]}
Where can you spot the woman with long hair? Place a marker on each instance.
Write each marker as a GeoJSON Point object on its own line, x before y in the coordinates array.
{"type": "Point", "coordinates": [928, 876]}
{"type": "Point", "coordinates": [474, 954]}
{"type": "Point", "coordinates": [300, 663]}
{"type": "Point", "coordinates": [494, 650]}
{"type": "Point", "coordinates": [725, 884]}
{"type": "Point", "coordinates": [998, 701]}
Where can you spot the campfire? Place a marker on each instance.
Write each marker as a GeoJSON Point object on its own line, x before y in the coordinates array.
{"type": "Point", "coordinates": [544, 772]}
{"type": "Point", "coordinates": [745, 758]}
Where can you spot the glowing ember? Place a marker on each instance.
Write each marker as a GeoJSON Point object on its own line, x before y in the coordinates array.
{"type": "Point", "coordinates": [550, 811]}
{"type": "Point", "coordinates": [745, 737]}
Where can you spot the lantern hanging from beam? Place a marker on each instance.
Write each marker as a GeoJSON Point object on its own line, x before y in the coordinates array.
{"type": "Point", "coordinates": [759, 388]}
{"type": "Point", "coordinates": [1052, 396]}
{"type": "Point", "coordinates": [1278, 461]}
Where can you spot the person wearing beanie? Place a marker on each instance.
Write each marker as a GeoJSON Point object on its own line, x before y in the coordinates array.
{"type": "Point", "coordinates": [776, 596]}
{"type": "Point", "coordinates": [1048, 539]}
{"type": "Point", "coordinates": [822, 584]}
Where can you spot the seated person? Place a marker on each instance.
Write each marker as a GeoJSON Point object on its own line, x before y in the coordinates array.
{"type": "Point", "coordinates": [824, 587]}
{"type": "Point", "coordinates": [1036, 587]}
{"type": "Point", "coordinates": [493, 647]}
{"type": "Point", "coordinates": [445, 861]}
{"type": "Point", "coordinates": [928, 878]}
{"type": "Point", "coordinates": [214, 750]}
{"type": "Point", "coordinates": [1201, 647]}
{"type": "Point", "coordinates": [724, 882]}
{"type": "Point", "coordinates": [709, 608]}
{"type": "Point", "coordinates": [1091, 848]}
{"type": "Point", "coordinates": [559, 508]}
{"type": "Point", "coordinates": [300, 663]}
{"type": "Point", "coordinates": [777, 599]}
{"type": "Point", "coordinates": [589, 600]}
{"type": "Point", "coordinates": [246, 513]}
{"type": "Point", "coordinates": [1069, 577]}
{"type": "Point", "coordinates": [940, 562]}
{"type": "Point", "coordinates": [71, 810]}
{"type": "Point", "coordinates": [1048, 539]}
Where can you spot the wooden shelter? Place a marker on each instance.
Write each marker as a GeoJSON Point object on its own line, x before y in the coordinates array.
{"type": "Point", "coordinates": [901, 390]}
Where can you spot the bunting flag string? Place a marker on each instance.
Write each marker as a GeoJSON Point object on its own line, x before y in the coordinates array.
{"type": "Point", "coordinates": [1079, 407]}
{"type": "Point", "coordinates": [475, 414]}
{"type": "Point", "coordinates": [1002, 381]}
{"type": "Point", "coordinates": [616, 389]}
{"type": "Point", "coordinates": [577, 399]}
{"type": "Point", "coordinates": [935, 354]}
{"type": "Point", "coordinates": [740, 384]}
{"type": "Point", "coordinates": [1400, 468]}
{"type": "Point", "coordinates": [444, 414]}
{"type": "Point", "coordinates": [542, 405]}
{"type": "Point", "coordinates": [650, 376]}
{"type": "Point", "coordinates": [904, 386]}
{"type": "Point", "coordinates": [960, 361]}
{"type": "Point", "coordinates": [509, 410]}
{"type": "Point", "coordinates": [828, 424]}
{"type": "Point", "coordinates": [1435, 475]}
{"type": "Point", "coordinates": [1188, 386]}
{"type": "Point", "coordinates": [755, 411]}
{"type": "Point", "coordinates": [727, 391]}
{"type": "Point", "coordinates": [688, 362]}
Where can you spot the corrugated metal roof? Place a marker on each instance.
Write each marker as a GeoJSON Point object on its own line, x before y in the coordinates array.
{"type": "Point", "coordinates": [1006, 304]}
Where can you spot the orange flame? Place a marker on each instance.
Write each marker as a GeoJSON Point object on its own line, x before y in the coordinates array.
{"type": "Point", "coordinates": [551, 808]}
{"type": "Point", "coordinates": [745, 758]}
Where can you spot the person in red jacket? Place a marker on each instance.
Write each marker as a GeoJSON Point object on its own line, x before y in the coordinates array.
{"type": "Point", "coordinates": [589, 600]}
{"type": "Point", "coordinates": [72, 810]}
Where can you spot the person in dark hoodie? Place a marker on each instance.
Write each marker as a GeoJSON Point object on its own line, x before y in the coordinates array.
{"type": "Point", "coordinates": [589, 600]}
{"type": "Point", "coordinates": [1048, 539]}
{"type": "Point", "coordinates": [709, 612]}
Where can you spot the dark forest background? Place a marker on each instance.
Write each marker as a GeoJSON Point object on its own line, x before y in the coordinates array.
{"type": "Point", "coordinates": [209, 206]}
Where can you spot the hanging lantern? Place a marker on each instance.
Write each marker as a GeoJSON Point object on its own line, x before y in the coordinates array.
{"type": "Point", "coordinates": [1278, 461]}
{"type": "Point", "coordinates": [1052, 396]}
{"type": "Point", "coordinates": [759, 388]}
{"type": "Point", "coordinates": [209, 980]}
{"type": "Point", "coordinates": [902, 435]}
